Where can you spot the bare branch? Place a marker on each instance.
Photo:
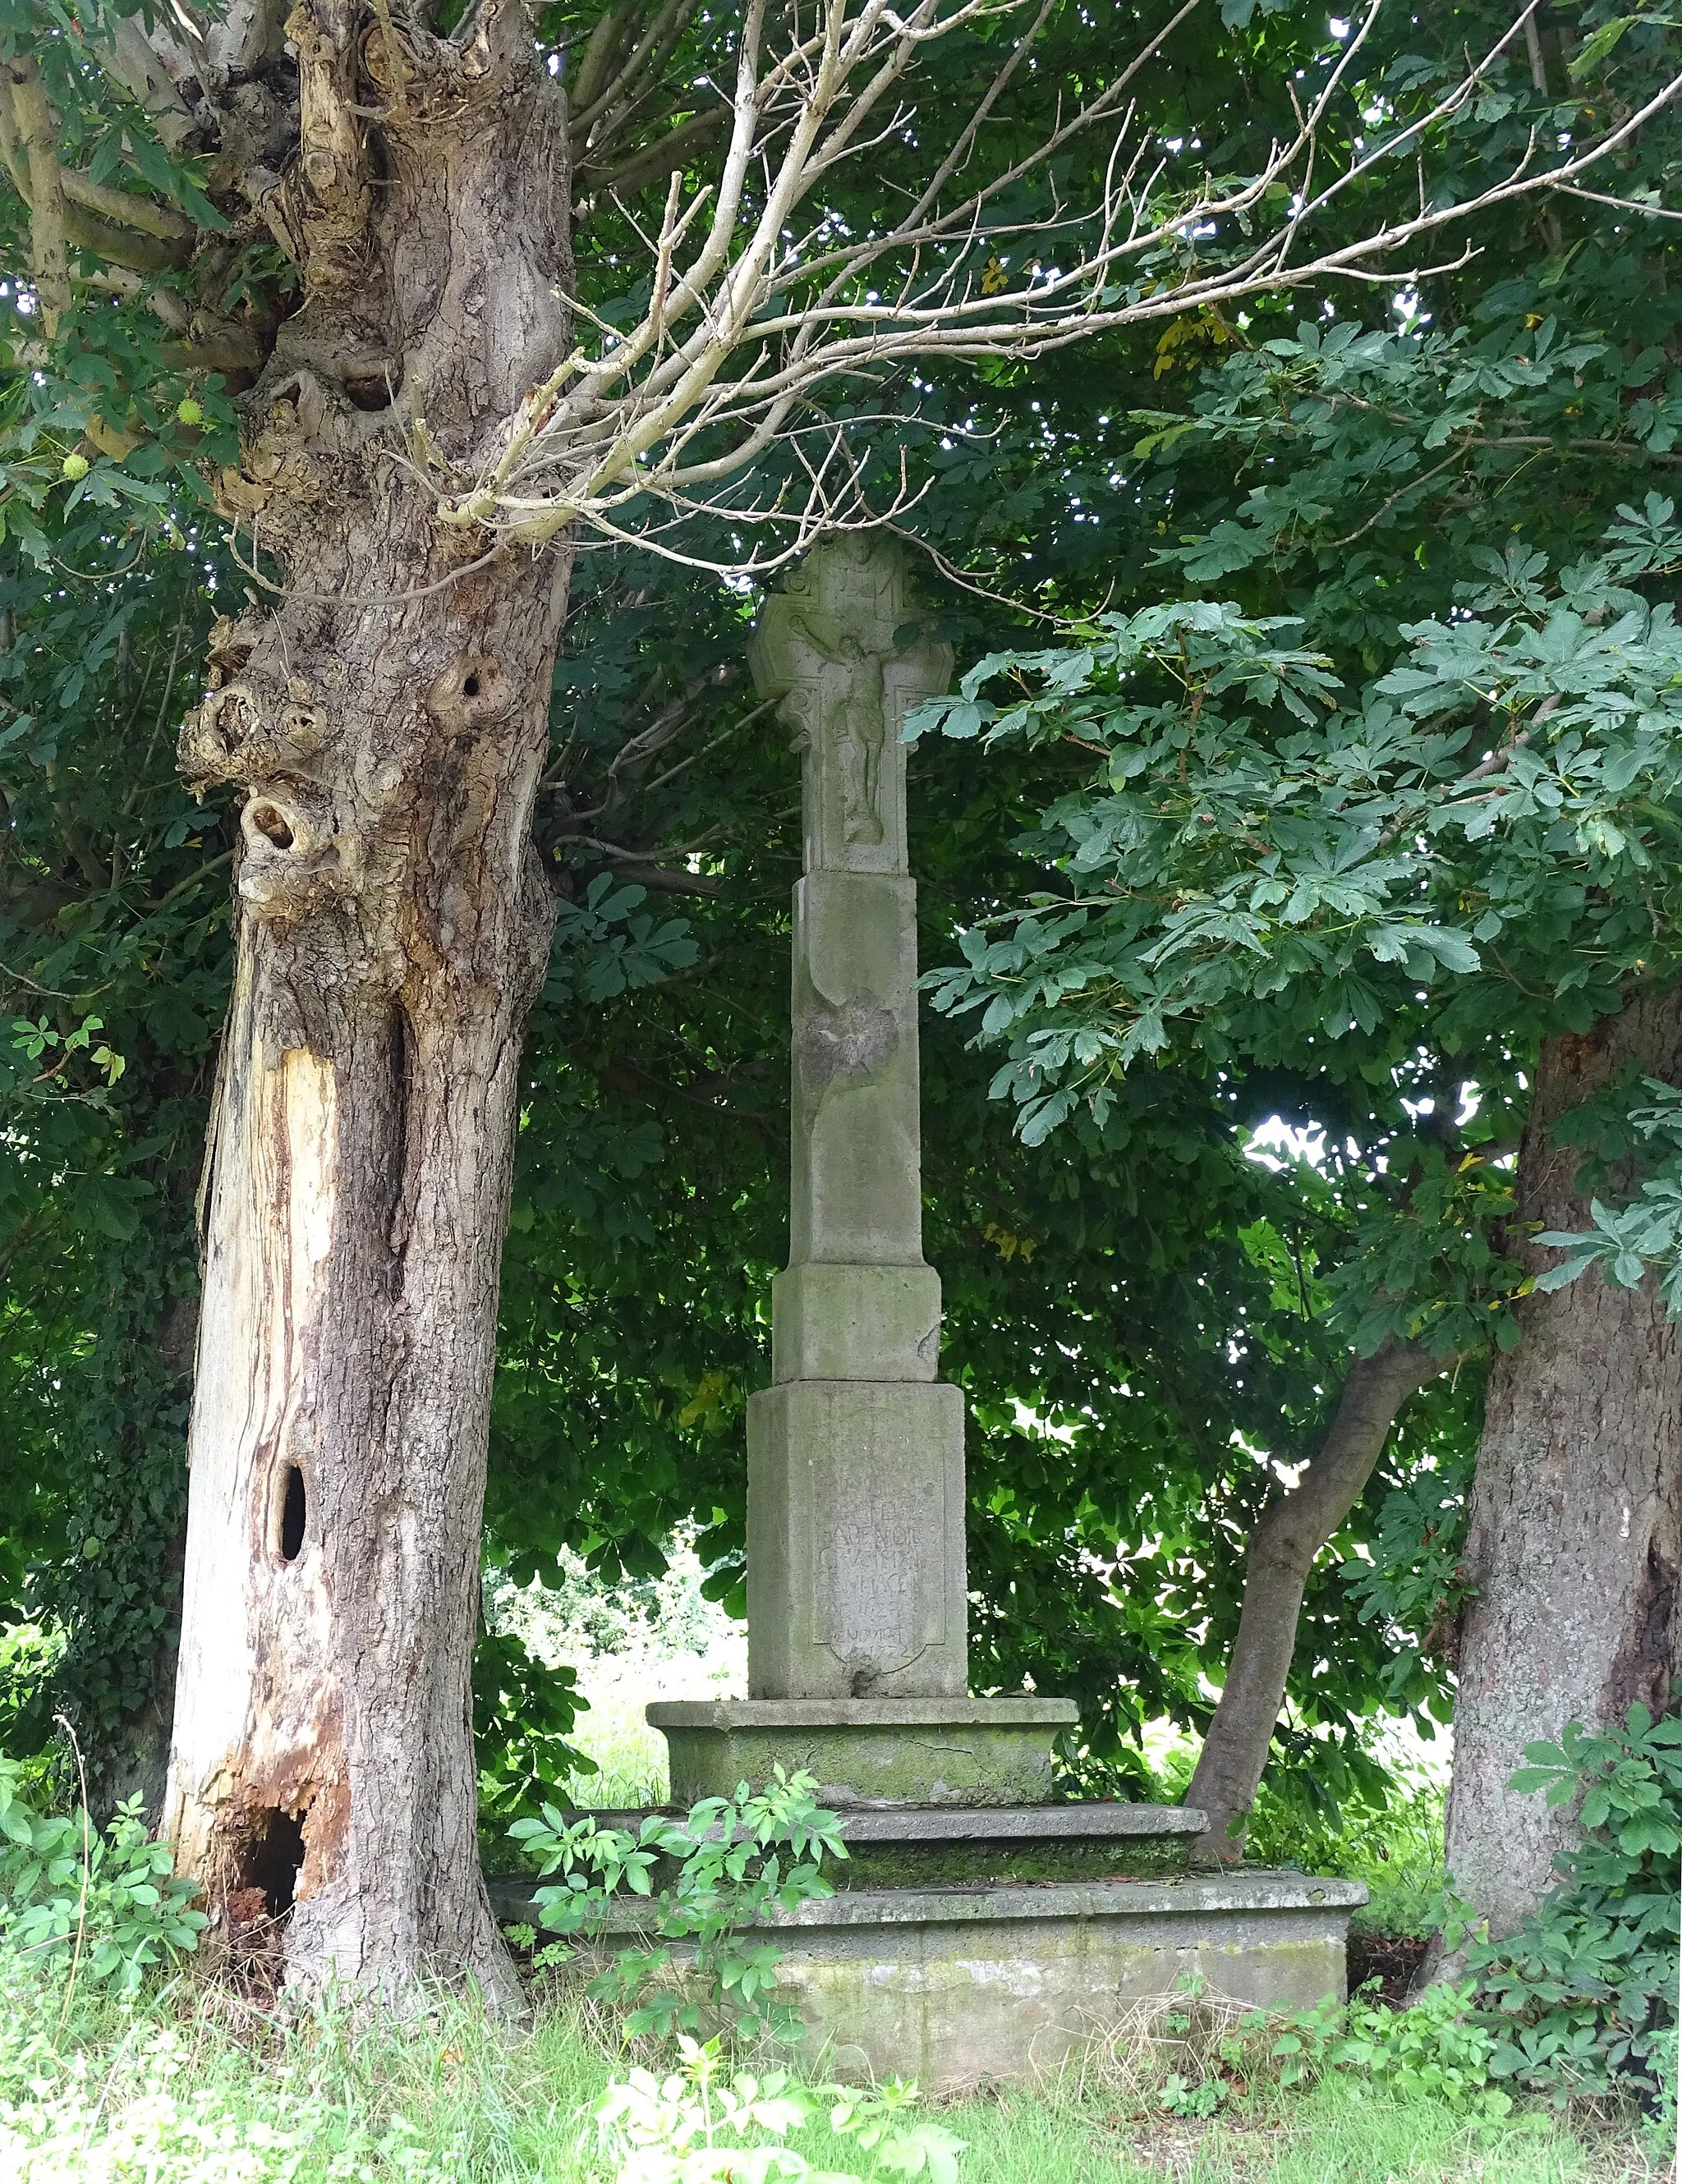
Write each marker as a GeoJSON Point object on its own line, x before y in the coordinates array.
{"type": "Point", "coordinates": [122, 206]}
{"type": "Point", "coordinates": [749, 321]}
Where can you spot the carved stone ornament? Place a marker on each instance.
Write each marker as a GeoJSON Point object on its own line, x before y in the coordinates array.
{"type": "Point", "coordinates": [842, 648]}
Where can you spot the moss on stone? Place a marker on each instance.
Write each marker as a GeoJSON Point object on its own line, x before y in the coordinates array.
{"type": "Point", "coordinates": [937, 1864]}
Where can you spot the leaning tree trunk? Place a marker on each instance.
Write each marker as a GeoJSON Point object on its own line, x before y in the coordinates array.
{"type": "Point", "coordinates": [1281, 1553]}
{"type": "Point", "coordinates": [386, 720]}
{"type": "Point", "coordinates": [1575, 1529]}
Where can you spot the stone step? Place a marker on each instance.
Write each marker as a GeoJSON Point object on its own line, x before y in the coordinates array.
{"type": "Point", "coordinates": [932, 1846]}
{"type": "Point", "coordinates": [868, 1752]}
{"type": "Point", "coordinates": [965, 1985]}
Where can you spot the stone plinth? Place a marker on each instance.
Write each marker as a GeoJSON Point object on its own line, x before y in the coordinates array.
{"type": "Point", "coordinates": [868, 1752]}
{"type": "Point", "coordinates": [855, 1539]}
{"type": "Point", "coordinates": [964, 1845]}
{"type": "Point", "coordinates": [960, 1986]}
{"type": "Point", "coordinates": [940, 1846]}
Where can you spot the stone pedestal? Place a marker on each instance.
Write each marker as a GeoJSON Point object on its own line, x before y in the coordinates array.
{"type": "Point", "coordinates": [855, 1540]}
{"type": "Point", "coordinates": [963, 1986]}
{"type": "Point", "coordinates": [868, 1752]}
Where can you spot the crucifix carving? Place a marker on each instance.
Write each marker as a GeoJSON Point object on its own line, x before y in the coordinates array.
{"type": "Point", "coordinates": [842, 648]}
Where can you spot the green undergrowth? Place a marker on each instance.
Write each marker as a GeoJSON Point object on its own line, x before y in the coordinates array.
{"type": "Point", "coordinates": [189, 2084]}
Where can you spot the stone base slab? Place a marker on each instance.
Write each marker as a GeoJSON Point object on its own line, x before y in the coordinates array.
{"type": "Point", "coordinates": [867, 1751]}
{"type": "Point", "coordinates": [944, 1845]}
{"type": "Point", "coordinates": [957, 1988]}
{"type": "Point", "coordinates": [935, 1845]}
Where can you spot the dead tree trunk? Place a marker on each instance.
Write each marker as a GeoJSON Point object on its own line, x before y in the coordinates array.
{"type": "Point", "coordinates": [386, 720]}
{"type": "Point", "coordinates": [1575, 1531]}
{"type": "Point", "coordinates": [1281, 1553]}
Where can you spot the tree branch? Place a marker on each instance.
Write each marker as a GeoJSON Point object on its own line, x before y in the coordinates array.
{"type": "Point", "coordinates": [49, 258]}
{"type": "Point", "coordinates": [1282, 1550]}
{"type": "Point", "coordinates": [738, 339]}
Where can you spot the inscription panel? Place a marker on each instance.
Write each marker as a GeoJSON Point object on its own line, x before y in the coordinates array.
{"type": "Point", "coordinates": [879, 1532]}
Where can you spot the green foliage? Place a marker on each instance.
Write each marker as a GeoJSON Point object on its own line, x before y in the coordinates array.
{"type": "Point", "coordinates": [1435, 2049]}
{"type": "Point", "coordinates": [1646, 1232]}
{"type": "Point", "coordinates": [735, 1861]}
{"type": "Point", "coordinates": [1412, 1579]}
{"type": "Point", "coordinates": [523, 1713]}
{"type": "Point", "coordinates": [113, 936]}
{"type": "Point", "coordinates": [104, 1903]}
{"type": "Point", "coordinates": [608, 944]}
{"type": "Point", "coordinates": [1261, 865]}
{"type": "Point", "coordinates": [1582, 1997]}
{"type": "Point", "coordinates": [695, 2126]}
{"type": "Point", "coordinates": [1438, 2049]}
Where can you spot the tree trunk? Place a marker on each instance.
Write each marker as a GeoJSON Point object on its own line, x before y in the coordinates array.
{"type": "Point", "coordinates": [386, 720]}
{"type": "Point", "coordinates": [1280, 1555]}
{"type": "Point", "coordinates": [1575, 1530]}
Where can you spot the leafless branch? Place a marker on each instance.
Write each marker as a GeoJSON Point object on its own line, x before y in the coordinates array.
{"type": "Point", "coordinates": [751, 312]}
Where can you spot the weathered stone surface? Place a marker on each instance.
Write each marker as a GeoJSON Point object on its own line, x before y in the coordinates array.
{"type": "Point", "coordinates": [828, 644]}
{"type": "Point", "coordinates": [855, 1540]}
{"type": "Point", "coordinates": [931, 1846]}
{"type": "Point", "coordinates": [935, 1845]}
{"type": "Point", "coordinates": [868, 1752]}
{"type": "Point", "coordinates": [856, 1188]}
{"type": "Point", "coordinates": [958, 1986]}
{"type": "Point", "coordinates": [856, 1555]}
{"type": "Point", "coordinates": [855, 1323]}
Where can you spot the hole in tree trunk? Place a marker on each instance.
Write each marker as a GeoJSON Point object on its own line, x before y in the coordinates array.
{"type": "Point", "coordinates": [371, 394]}
{"type": "Point", "coordinates": [273, 1856]}
{"type": "Point", "coordinates": [268, 819]}
{"type": "Point", "coordinates": [470, 688]}
{"type": "Point", "coordinates": [294, 1511]}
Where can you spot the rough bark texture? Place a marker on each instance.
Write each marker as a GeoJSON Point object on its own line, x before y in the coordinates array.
{"type": "Point", "coordinates": [1575, 1531]}
{"type": "Point", "coordinates": [1281, 1554]}
{"type": "Point", "coordinates": [387, 730]}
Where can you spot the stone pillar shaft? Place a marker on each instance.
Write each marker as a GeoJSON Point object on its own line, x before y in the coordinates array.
{"type": "Point", "coordinates": [855, 1562]}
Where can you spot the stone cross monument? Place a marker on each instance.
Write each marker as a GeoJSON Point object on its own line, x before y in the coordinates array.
{"type": "Point", "coordinates": [855, 1453]}
{"type": "Point", "coordinates": [857, 1652]}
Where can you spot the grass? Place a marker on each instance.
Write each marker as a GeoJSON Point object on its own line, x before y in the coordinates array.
{"type": "Point", "coordinates": [194, 2087]}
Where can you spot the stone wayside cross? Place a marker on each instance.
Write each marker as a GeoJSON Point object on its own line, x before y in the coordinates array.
{"type": "Point", "coordinates": [857, 1600]}
{"type": "Point", "coordinates": [856, 1565]}
{"type": "Point", "coordinates": [978, 1926]}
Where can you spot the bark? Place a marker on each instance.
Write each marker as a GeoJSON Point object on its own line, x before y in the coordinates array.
{"type": "Point", "coordinates": [1281, 1553]}
{"type": "Point", "coordinates": [386, 721]}
{"type": "Point", "coordinates": [1575, 1527]}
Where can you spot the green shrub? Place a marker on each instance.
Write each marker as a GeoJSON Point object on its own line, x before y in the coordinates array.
{"type": "Point", "coordinates": [736, 1859]}
{"type": "Point", "coordinates": [1438, 2049]}
{"type": "Point", "coordinates": [523, 1713]}
{"type": "Point", "coordinates": [1583, 1995]}
{"type": "Point", "coordinates": [107, 1904]}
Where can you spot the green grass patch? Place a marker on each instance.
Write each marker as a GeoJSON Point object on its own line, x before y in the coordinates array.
{"type": "Point", "coordinates": [195, 2086]}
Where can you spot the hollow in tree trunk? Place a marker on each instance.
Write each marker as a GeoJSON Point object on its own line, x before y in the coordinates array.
{"type": "Point", "coordinates": [386, 720]}
{"type": "Point", "coordinates": [1575, 1530]}
{"type": "Point", "coordinates": [1292, 1531]}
